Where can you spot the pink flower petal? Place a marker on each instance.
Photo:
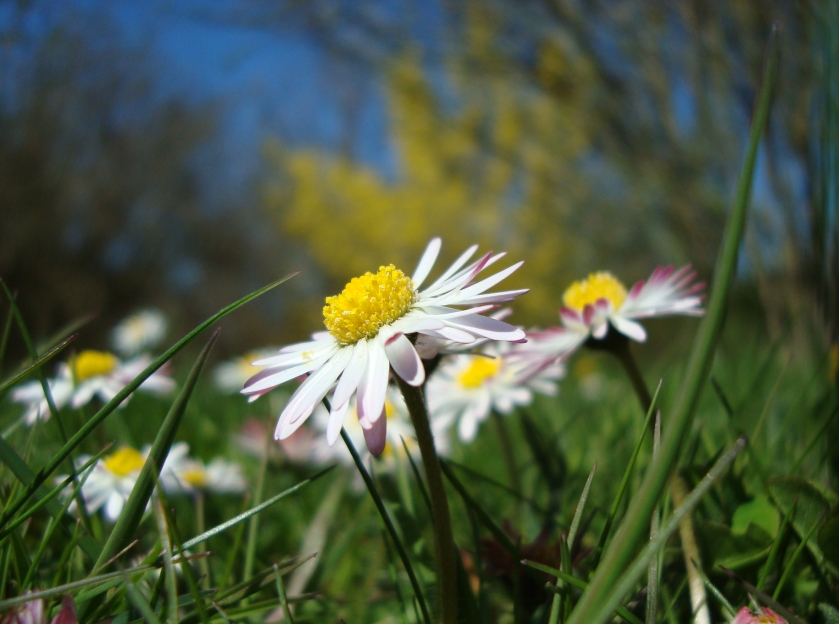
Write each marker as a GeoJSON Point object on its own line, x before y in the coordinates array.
{"type": "Point", "coordinates": [404, 359]}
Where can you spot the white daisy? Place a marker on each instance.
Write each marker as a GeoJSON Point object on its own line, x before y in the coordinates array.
{"type": "Point", "coordinates": [466, 388]}
{"type": "Point", "coordinates": [229, 376]}
{"type": "Point", "coordinates": [88, 374]}
{"type": "Point", "coordinates": [110, 482]}
{"type": "Point", "coordinates": [593, 305]}
{"type": "Point", "coordinates": [183, 474]}
{"type": "Point", "coordinates": [368, 327]}
{"type": "Point", "coordinates": [140, 331]}
{"type": "Point", "coordinates": [32, 395]}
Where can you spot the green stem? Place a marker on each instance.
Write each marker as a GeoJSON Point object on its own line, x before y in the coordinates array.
{"type": "Point", "coordinates": [443, 537]}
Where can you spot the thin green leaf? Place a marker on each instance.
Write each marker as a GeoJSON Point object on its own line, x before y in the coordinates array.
{"type": "Point", "coordinates": [776, 545]}
{"type": "Point", "coordinates": [278, 578]}
{"type": "Point", "coordinates": [191, 543]}
{"type": "Point", "coordinates": [26, 476]}
{"type": "Point", "coordinates": [483, 516]}
{"type": "Point", "coordinates": [135, 506]}
{"type": "Point", "coordinates": [24, 516]}
{"type": "Point", "coordinates": [635, 525]}
{"type": "Point", "coordinates": [607, 527]}
{"type": "Point", "coordinates": [793, 559]}
{"type": "Point", "coordinates": [168, 571]}
{"type": "Point", "coordinates": [38, 363]}
{"type": "Point", "coordinates": [67, 588]}
{"type": "Point", "coordinates": [573, 581]}
{"type": "Point", "coordinates": [391, 529]}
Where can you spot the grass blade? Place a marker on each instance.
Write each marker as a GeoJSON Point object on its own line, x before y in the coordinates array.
{"type": "Point", "coordinates": [604, 535]}
{"type": "Point", "coordinates": [639, 565]}
{"type": "Point", "coordinates": [191, 543]}
{"type": "Point", "coordinates": [137, 501]}
{"type": "Point", "coordinates": [26, 476]}
{"type": "Point", "coordinates": [634, 527]}
{"type": "Point", "coordinates": [38, 363]}
{"type": "Point", "coordinates": [380, 506]}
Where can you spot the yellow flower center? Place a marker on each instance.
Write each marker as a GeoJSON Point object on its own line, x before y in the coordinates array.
{"type": "Point", "coordinates": [196, 477]}
{"type": "Point", "coordinates": [91, 363]}
{"type": "Point", "coordinates": [481, 369]}
{"type": "Point", "coordinates": [125, 461]}
{"type": "Point", "coordinates": [368, 303]}
{"type": "Point", "coordinates": [601, 285]}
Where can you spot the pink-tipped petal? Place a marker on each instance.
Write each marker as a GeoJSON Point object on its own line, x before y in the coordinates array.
{"type": "Point", "coordinates": [376, 435]}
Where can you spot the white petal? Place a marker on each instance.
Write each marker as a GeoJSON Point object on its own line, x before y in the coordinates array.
{"type": "Point", "coordinates": [486, 284]}
{"type": "Point", "coordinates": [352, 373]}
{"type": "Point", "coordinates": [309, 394]}
{"type": "Point", "coordinates": [372, 391]}
{"type": "Point", "coordinates": [429, 256]}
{"type": "Point", "coordinates": [496, 297]}
{"type": "Point", "coordinates": [405, 360]}
{"type": "Point", "coordinates": [268, 379]}
{"type": "Point", "coordinates": [629, 328]}
{"type": "Point", "coordinates": [336, 421]}
{"type": "Point", "coordinates": [464, 257]}
{"type": "Point", "coordinates": [489, 328]}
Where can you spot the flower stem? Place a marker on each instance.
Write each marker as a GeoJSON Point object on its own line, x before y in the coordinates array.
{"type": "Point", "coordinates": [443, 537]}
{"type": "Point", "coordinates": [678, 490]}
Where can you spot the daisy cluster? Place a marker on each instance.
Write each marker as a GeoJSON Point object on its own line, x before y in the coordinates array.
{"type": "Point", "coordinates": [91, 374]}
{"type": "Point", "coordinates": [107, 484]}
{"type": "Point", "coordinates": [103, 374]}
{"type": "Point", "coordinates": [449, 338]}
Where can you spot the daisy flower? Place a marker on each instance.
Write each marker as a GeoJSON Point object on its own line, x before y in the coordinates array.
{"type": "Point", "coordinates": [140, 331]}
{"type": "Point", "coordinates": [593, 305]}
{"type": "Point", "coordinates": [88, 374]}
{"type": "Point", "coordinates": [32, 395]}
{"type": "Point", "coordinates": [183, 474]}
{"type": "Point", "coordinates": [768, 616]}
{"type": "Point", "coordinates": [368, 325]}
{"type": "Point", "coordinates": [467, 387]}
{"type": "Point", "coordinates": [110, 482]}
{"type": "Point", "coordinates": [231, 375]}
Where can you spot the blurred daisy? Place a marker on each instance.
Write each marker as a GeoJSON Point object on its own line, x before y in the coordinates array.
{"type": "Point", "coordinates": [102, 374]}
{"type": "Point", "coordinates": [88, 374]}
{"type": "Point", "coordinates": [229, 376]}
{"type": "Point", "coordinates": [368, 325]}
{"type": "Point", "coordinates": [398, 428]}
{"type": "Point", "coordinates": [466, 388]}
{"type": "Point", "coordinates": [768, 616]}
{"type": "Point", "coordinates": [110, 482]}
{"type": "Point", "coordinates": [140, 331]}
{"type": "Point", "coordinates": [593, 305]}
{"type": "Point", "coordinates": [32, 395]}
{"type": "Point", "coordinates": [183, 474]}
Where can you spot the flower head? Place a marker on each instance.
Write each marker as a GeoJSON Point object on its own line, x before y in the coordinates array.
{"type": "Point", "coordinates": [140, 331]}
{"type": "Point", "coordinates": [467, 387]}
{"type": "Point", "coordinates": [594, 305]}
{"type": "Point", "coordinates": [183, 474]}
{"type": "Point", "coordinates": [368, 325]}
{"type": "Point", "coordinates": [88, 374]}
{"type": "Point", "coordinates": [745, 616]}
{"type": "Point", "coordinates": [110, 481]}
